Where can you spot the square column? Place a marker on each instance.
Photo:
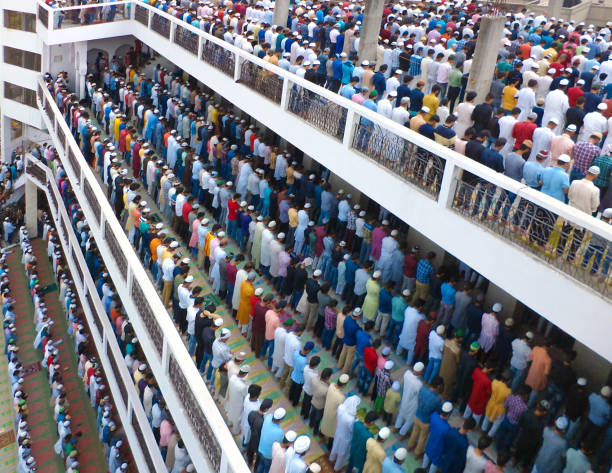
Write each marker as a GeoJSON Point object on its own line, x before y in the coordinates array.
{"type": "Point", "coordinates": [485, 56]}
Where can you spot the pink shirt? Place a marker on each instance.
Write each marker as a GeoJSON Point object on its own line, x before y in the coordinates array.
{"type": "Point", "coordinates": [193, 241]}
{"type": "Point", "coordinates": [358, 98]}
{"type": "Point", "coordinates": [283, 261]}
{"type": "Point", "coordinates": [165, 431]}
{"type": "Point", "coordinates": [278, 459]}
{"type": "Point", "coordinates": [272, 321]}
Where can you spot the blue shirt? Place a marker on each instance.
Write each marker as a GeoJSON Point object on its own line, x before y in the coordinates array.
{"type": "Point", "coordinates": [389, 466]}
{"type": "Point", "coordinates": [349, 272]}
{"type": "Point", "coordinates": [350, 331]}
{"type": "Point", "coordinates": [437, 428]}
{"type": "Point", "coordinates": [428, 403]}
{"type": "Point", "coordinates": [384, 301]}
{"type": "Point", "coordinates": [299, 363]}
{"type": "Point", "coordinates": [347, 91]}
{"type": "Point", "coordinates": [448, 293]}
{"type": "Point", "coordinates": [362, 339]}
{"type": "Point", "coordinates": [532, 173]}
{"type": "Point", "coordinates": [424, 271]}
{"type": "Point", "coordinates": [554, 181]}
{"type": "Point", "coordinates": [599, 410]}
{"type": "Point", "coordinates": [270, 433]}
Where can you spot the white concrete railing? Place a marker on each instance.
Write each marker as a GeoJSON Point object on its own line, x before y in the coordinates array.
{"type": "Point", "coordinates": [134, 422]}
{"type": "Point", "coordinates": [200, 424]}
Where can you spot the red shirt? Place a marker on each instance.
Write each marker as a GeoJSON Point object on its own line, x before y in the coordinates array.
{"type": "Point", "coordinates": [187, 207]}
{"type": "Point", "coordinates": [572, 95]}
{"type": "Point", "coordinates": [370, 357]}
{"type": "Point", "coordinates": [525, 50]}
{"type": "Point", "coordinates": [522, 131]}
{"type": "Point", "coordinates": [481, 392]}
{"type": "Point", "coordinates": [232, 209]}
{"type": "Point", "coordinates": [410, 265]}
{"type": "Point", "coordinates": [422, 339]}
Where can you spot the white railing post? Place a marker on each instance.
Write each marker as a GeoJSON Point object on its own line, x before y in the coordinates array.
{"type": "Point", "coordinates": [449, 184]}
{"type": "Point", "coordinates": [149, 18]}
{"type": "Point", "coordinates": [200, 46]}
{"type": "Point", "coordinates": [237, 64]}
{"type": "Point", "coordinates": [349, 128]}
{"type": "Point", "coordinates": [172, 31]}
{"type": "Point", "coordinates": [285, 93]}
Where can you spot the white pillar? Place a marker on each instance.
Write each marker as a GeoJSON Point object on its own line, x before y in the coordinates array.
{"type": "Point", "coordinates": [31, 208]}
{"type": "Point", "coordinates": [370, 30]}
{"type": "Point", "coordinates": [281, 12]}
{"type": "Point", "coordinates": [554, 8]}
{"type": "Point", "coordinates": [485, 56]}
{"type": "Point", "coordinates": [80, 66]}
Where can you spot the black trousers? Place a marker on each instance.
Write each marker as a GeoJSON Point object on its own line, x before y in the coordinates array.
{"type": "Point", "coordinates": [295, 391]}
{"type": "Point", "coordinates": [306, 402]}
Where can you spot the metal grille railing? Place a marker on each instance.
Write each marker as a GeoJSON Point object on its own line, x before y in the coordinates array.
{"type": "Point", "coordinates": [148, 318]}
{"type": "Point", "coordinates": [92, 201]}
{"type": "Point", "coordinates": [62, 137]}
{"type": "Point", "coordinates": [39, 94]}
{"type": "Point", "coordinates": [262, 81]}
{"type": "Point", "coordinates": [218, 57]}
{"type": "Point", "coordinates": [118, 377]}
{"type": "Point", "coordinates": [96, 318]}
{"type": "Point", "coordinates": [74, 162]}
{"type": "Point", "coordinates": [195, 415]}
{"type": "Point", "coordinates": [116, 253]}
{"type": "Point", "coordinates": [161, 25]}
{"type": "Point", "coordinates": [414, 164]}
{"type": "Point", "coordinates": [141, 15]}
{"type": "Point", "coordinates": [581, 254]}
{"type": "Point", "coordinates": [49, 112]}
{"type": "Point", "coordinates": [36, 172]}
{"type": "Point", "coordinates": [78, 266]}
{"type": "Point", "coordinates": [66, 228]}
{"type": "Point", "coordinates": [43, 16]}
{"type": "Point", "coordinates": [186, 39]}
{"type": "Point", "coordinates": [325, 115]}
{"type": "Point", "coordinates": [144, 446]}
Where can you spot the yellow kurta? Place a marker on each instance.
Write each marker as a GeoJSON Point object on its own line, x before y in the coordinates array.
{"type": "Point", "coordinates": [376, 455]}
{"type": "Point", "coordinates": [244, 309]}
{"type": "Point", "coordinates": [334, 398]}
{"type": "Point", "coordinates": [499, 393]}
{"type": "Point", "coordinates": [370, 303]}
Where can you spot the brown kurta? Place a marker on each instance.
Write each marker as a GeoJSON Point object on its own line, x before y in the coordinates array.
{"type": "Point", "coordinates": [448, 368]}
{"type": "Point", "coordinates": [375, 456]}
{"type": "Point", "coordinates": [330, 413]}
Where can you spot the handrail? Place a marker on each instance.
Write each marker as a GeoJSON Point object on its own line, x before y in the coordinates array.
{"type": "Point", "coordinates": [88, 6]}
{"type": "Point", "coordinates": [454, 161]}
{"type": "Point", "coordinates": [196, 415]}
{"type": "Point", "coordinates": [131, 412]}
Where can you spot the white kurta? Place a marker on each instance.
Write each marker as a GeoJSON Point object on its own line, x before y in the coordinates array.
{"type": "Point", "coordinates": [541, 141]}
{"type": "Point", "coordinates": [555, 106]}
{"type": "Point", "coordinates": [215, 273]}
{"type": "Point", "coordinates": [464, 118]}
{"type": "Point", "coordinates": [248, 407]}
{"type": "Point", "coordinates": [241, 275]}
{"type": "Point", "coordinates": [276, 247]}
{"type": "Point", "coordinates": [526, 101]}
{"type": "Point", "coordinates": [280, 334]}
{"type": "Point", "coordinates": [594, 122]}
{"type": "Point", "coordinates": [237, 389]}
{"type": "Point", "coordinates": [408, 404]}
{"type": "Point", "coordinates": [506, 126]}
{"type": "Point", "coordinates": [266, 239]}
{"type": "Point", "coordinates": [344, 432]}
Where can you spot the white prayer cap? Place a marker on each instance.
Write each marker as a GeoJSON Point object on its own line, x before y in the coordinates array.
{"type": "Point", "coordinates": [394, 233]}
{"type": "Point", "coordinates": [606, 391]}
{"type": "Point", "coordinates": [440, 330]}
{"type": "Point", "coordinates": [561, 423]}
{"type": "Point", "coordinates": [497, 307]}
{"type": "Point", "coordinates": [563, 82]}
{"type": "Point", "coordinates": [401, 454]}
{"type": "Point", "coordinates": [314, 468]}
{"type": "Point", "coordinates": [384, 433]}
{"type": "Point", "coordinates": [389, 365]}
{"type": "Point", "coordinates": [377, 274]}
{"type": "Point", "coordinates": [186, 260]}
{"type": "Point", "coordinates": [418, 367]}
{"type": "Point", "coordinates": [602, 106]}
{"type": "Point", "coordinates": [317, 273]}
{"type": "Point", "coordinates": [386, 222]}
{"type": "Point", "coordinates": [259, 291]}
{"type": "Point", "coordinates": [571, 127]}
{"type": "Point", "coordinates": [189, 279]}
{"type": "Point", "coordinates": [552, 71]}
{"type": "Point", "coordinates": [554, 120]}
{"type": "Point", "coordinates": [245, 369]}
{"type": "Point", "coordinates": [272, 224]}
{"type": "Point", "coordinates": [344, 378]}
{"type": "Point", "coordinates": [302, 443]}
{"type": "Point", "coordinates": [281, 236]}
{"type": "Point", "coordinates": [174, 244]}
{"type": "Point", "coordinates": [221, 234]}
{"type": "Point", "coordinates": [291, 436]}
{"type": "Point", "coordinates": [564, 158]}
{"type": "Point", "coordinates": [225, 333]}
{"type": "Point", "coordinates": [447, 407]}
{"type": "Point", "coordinates": [594, 170]}
{"type": "Point", "coordinates": [218, 322]}
{"type": "Point", "coordinates": [279, 413]}
{"type": "Point", "coordinates": [581, 382]}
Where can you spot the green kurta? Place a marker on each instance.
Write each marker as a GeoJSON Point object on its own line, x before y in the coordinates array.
{"type": "Point", "coordinates": [370, 304]}
{"type": "Point", "coordinates": [361, 434]}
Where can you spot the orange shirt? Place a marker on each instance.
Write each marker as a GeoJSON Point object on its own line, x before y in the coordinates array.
{"type": "Point", "coordinates": [155, 242]}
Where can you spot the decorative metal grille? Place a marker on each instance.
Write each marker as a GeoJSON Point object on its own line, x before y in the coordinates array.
{"type": "Point", "coordinates": [78, 266]}
{"type": "Point", "coordinates": [186, 39]}
{"type": "Point", "coordinates": [148, 317]}
{"type": "Point", "coordinates": [36, 172]}
{"type": "Point", "coordinates": [143, 444]}
{"type": "Point", "coordinates": [49, 111]}
{"type": "Point", "coordinates": [196, 417]}
{"type": "Point", "coordinates": [161, 25]}
{"type": "Point", "coordinates": [39, 93]}
{"type": "Point", "coordinates": [318, 111]}
{"type": "Point", "coordinates": [142, 15]}
{"type": "Point", "coordinates": [53, 198]}
{"type": "Point", "coordinates": [62, 136]}
{"type": "Point", "coordinates": [66, 228]}
{"type": "Point", "coordinates": [43, 16]}
{"type": "Point", "coordinates": [92, 201]}
{"type": "Point", "coordinates": [116, 253]}
{"type": "Point", "coordinates": [96, 317]}
{"type": "Point", "coordinates": [118, 378]}
{"type": "Point", "coordinates": [581, 254]}
{"type": "Point", "coordinates": [218, 57]}
{"type": "Point", "coordinates": [416, 165]}
{"type": "Point", "coordinates": [262, 81]}
{"type": "Point", "coordinates": [76, 167]}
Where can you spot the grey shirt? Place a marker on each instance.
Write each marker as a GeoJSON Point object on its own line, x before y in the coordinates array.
{"type": "Point", "coordinates": [550, 456]}
{"type": "Point", "coordinates": [513, 167]}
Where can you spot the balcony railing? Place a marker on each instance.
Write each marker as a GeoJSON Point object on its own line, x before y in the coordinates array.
{"type": "Point", "coordinates": [208, 440]}
{"type": "Point", "coordinates": [91, 14]}
{"type": "Point", "coordinates": [138, 432]}
{"type": "Point", "coordinates": [422, 163]}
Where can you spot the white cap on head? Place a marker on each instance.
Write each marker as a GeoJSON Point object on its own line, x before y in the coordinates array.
{"type": "Point", "coordinates": [314, 468]}
{"type": "Point", "coordinates": [561, 423]}
{"type": "Point", "coordinates": [602, 106]}
{"type": "Point", "coordinates": [259, 291]}
{"type": "Point", "coordinates": [564, 158]}
{"type": "Point", "coordinates": [394, 233]}
{"type": "Point", "coordinates": [302, 443]}
{"type": "Point", "coordinates": [389, 365]}
{"type": "Point", "coordinates": [189, 279]}
{"type": "Point", "coordinates": [447, 407]}
{"type": "Point", "coordinates": [497, 307]}
{"type": "Point", "coordinates": [418, 367]}
{"type": "Point", "coordinates": [279, 413]}
{"type": "Point", "coordinates": [317, 273]}
{"type": "Point", "coordinates": [291, 435]}
{"type": "Point", "coordinates": [400, 454]}
{"type": "Point", "coordinates": [440, 330]}
{"type": "Point", "coordinates": [377, 274]}
{"type": "Point", "coordinates": [344, 378]}
{"type": "Point", "coordinates": [606, 391]}
{"type": "Point", "coordinates": [218, 322]}
{"type": "Point", "coordinates": [581, 382]}
{"type": "Point", "coordinates": [225, 333]}
{"type": "Point", "coordinates": [384, 433]}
